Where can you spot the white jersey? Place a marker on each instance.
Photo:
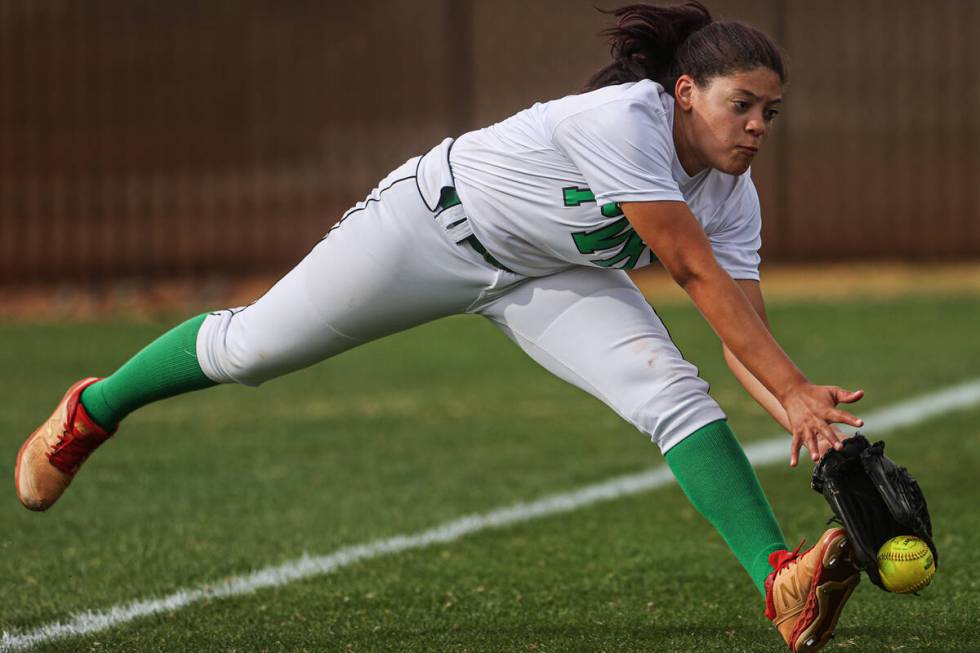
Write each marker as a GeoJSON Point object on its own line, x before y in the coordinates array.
{"type": "Point", "coordinates": [542, 188]}
{"type": "Point", "coordinates": [396, 261]}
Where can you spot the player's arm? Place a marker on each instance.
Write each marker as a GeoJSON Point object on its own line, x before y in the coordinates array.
{"type": "Point", "coordinates": [752, 291]}
{"type": "Point", "coordinates": [674, 235]}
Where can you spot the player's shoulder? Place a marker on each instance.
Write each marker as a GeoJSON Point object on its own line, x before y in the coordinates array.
{"type": "Point", "coordinates": [612, 103]}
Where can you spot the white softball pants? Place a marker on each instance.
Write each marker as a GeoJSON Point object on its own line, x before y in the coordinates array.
{"type": "Point", "coordinates": [393, 263]}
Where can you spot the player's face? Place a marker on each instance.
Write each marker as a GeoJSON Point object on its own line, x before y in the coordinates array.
{"type": "Point", "coordinates": [730, 118]}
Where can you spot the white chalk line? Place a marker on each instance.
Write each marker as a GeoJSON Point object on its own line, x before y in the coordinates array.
{"type": "Point", "coordinates": [769, 451]}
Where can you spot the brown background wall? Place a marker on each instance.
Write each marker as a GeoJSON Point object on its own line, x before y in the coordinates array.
{"type": "Point", "coordinates": [163, 138]}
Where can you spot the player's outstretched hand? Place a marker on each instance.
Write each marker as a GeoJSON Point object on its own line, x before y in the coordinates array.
{"type": "Point", "coordinates": [812, 411]}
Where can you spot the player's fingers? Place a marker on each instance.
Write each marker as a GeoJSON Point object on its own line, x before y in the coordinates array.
{"type": "Point", "coordinates": [845, 418]}
{"type": "Point", "coordinates": [794, 448]}
{"type": "Point", "coordinates": [828, 435]}
{"type": "Point", "coordinates": [818, 438]}
{"type": "Point", "coordinates": [822, 448]}
{"type": "Point", "coordinates": [847, 396]}
{"type": "Point", "coordinates": [811, 439]}
{"type": "Point", "coordinates": [840, 436]}
{"type": "Point", "coordinates": [833, 437]}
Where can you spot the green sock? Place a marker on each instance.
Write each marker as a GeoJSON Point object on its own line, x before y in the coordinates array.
{"type": "Point", "coordinates": [166, 367]}
{"type": "Point", "coordinates": [711, 468]}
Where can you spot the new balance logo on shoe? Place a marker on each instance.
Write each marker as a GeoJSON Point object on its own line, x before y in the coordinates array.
{"type": "Point", "coordinates": [806, 593]}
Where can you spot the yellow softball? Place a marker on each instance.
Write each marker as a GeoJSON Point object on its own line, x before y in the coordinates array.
{"type": "Point", "coordinates": [905, 564]}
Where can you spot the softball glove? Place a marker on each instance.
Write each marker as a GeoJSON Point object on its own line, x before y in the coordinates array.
{"type": "Point", "coordinates": [873, 498]}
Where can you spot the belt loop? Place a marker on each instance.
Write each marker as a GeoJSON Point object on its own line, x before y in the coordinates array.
{"type": "Point", "coordinates": [460, 230]}
{"type": "Point", "coordinates": [448, 198]}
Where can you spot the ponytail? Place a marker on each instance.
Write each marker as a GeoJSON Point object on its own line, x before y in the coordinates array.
{"type": "Point", "coordinates": [664, 42]}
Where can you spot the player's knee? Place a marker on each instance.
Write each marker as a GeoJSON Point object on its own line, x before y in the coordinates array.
{"type": "Point", "coordinates": [246, 364]}
{"type": "Point", "coordinates": [675, 410]}
{"type": "Point", "coordinates": [226, 354]}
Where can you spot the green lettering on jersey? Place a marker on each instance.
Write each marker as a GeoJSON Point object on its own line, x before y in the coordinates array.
{"type": "Point", "coordinates": [575, 196]}
{"type": "Point", "coordinates": [617, 234]}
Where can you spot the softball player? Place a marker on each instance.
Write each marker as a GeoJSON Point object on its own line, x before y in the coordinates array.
{"type": "Point", "coordinates": [531, 223]}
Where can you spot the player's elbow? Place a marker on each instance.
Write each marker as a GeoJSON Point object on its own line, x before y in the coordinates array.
{"type": "Point", "coordinates": [690, 271]}
{"type": "Point", "coordinates": [684, 276]}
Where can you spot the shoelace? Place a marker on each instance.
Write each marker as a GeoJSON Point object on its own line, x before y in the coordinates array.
{"type": "Point", "coordinates": [73, 447]}
{"type": "Point", "coordinates": [73, 451]}
{"type": "Point", "coordinates": [779, 560]}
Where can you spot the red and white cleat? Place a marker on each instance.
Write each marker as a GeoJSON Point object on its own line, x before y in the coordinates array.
{"type": "Point", "coordinates": [49, 459]}
{"type": "Point", "coordinates": [806, 593]}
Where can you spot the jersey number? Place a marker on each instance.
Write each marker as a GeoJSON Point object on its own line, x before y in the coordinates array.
{"type": "Point", "coordinates": [617, 234]}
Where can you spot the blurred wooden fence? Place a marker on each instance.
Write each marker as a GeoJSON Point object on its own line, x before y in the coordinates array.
{"type": "Point", "coordinates": [171, 138]}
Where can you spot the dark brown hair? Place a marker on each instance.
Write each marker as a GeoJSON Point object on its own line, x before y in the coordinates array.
{"type": "Point", "coordinates": [664, 42]}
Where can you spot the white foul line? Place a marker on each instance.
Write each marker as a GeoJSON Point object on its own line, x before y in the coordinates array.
{"type": "Point", "coordinates": [762, 453]}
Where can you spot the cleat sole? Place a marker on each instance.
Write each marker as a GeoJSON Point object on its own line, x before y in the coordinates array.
{"type": "Point", "coordinates": [837, 583]}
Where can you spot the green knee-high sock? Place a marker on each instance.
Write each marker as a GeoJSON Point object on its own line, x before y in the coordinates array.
{"type": "Point", "coordinates": [166, 367]}
{"type": "Point", "coordinates": [714, 473]}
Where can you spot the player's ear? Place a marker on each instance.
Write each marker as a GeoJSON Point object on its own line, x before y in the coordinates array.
{"type": "Point", "coordinates": [683, 92]}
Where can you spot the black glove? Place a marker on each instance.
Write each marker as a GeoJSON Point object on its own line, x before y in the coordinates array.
{"type": "Point", "coordinates": [873, 498]}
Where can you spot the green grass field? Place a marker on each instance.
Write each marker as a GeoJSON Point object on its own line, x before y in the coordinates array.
{"type": "Point", "coordinates": [447, 420]}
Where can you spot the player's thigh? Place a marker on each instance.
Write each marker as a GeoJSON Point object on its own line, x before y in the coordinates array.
{"type": "Point", "coordinates": [385, 267]}
{"type": "Point", "coordinates": [594, 329]}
